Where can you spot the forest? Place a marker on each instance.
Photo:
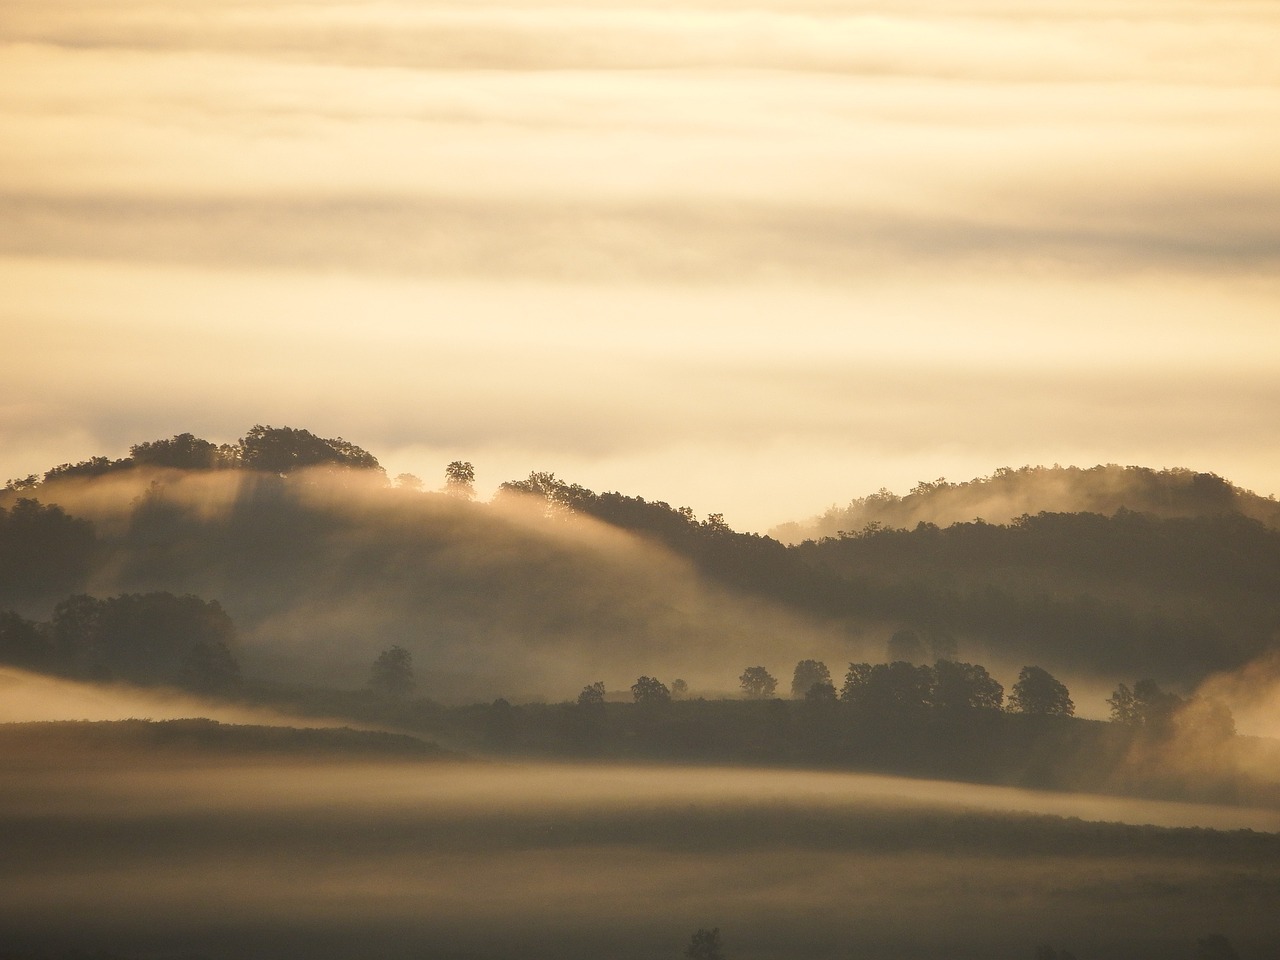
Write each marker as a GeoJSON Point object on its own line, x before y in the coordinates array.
{"type": "Point", "coordinates": [344, 623]}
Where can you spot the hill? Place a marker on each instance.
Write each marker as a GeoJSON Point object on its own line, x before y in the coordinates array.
{"type": "Point", "coordinates": [1010, 493]}
{"type": "Point", "coordinates": [321, 563]}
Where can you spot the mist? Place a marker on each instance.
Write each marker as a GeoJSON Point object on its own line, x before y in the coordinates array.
{"type": "Point", "coordinates": [560, 860]}
{"type": "Point", "coordinates": [37, 698]}
{"type": "Point", "coordinates": [322, 572]}
{"type": "Point", "coordinates": [658, 249]}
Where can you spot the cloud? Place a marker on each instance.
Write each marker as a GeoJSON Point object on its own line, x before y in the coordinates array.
{"type": "Point", "coordinates": [653, 241]}
{"type": "Point", "coordinates": [889, 240]}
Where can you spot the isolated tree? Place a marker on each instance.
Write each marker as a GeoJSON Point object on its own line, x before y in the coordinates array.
{"type": "Point", "coordinates": [408, 481]}
{"type": "Point", "coordinates": [808, 673]}
{"type": "Point", "coordinates": [757, 683]}
{"type": "Point", "coordinates": [592, 695]}
{"type": "Point", "coordinates": [650, 691]}
{"type": "Point", "coordinates": [460, 480]}
{"type": "Point", "coordinates": [679, 689]}
{"type": "Point", "coordinates": [392, 673]}
{"type": "Point", "coordinates": [1039, 693]}
{"type": "Point", "coordinates": [705, 945]}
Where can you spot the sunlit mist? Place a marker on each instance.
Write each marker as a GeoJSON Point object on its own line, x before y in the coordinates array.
{"type": "Point", "coordinates": [753, 259]}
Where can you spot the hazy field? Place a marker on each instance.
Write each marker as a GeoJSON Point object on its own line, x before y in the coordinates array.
{"type": "Point", "coordinates": [155, 856]}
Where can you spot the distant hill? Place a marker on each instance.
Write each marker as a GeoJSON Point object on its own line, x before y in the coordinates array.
{"type": "Point", "coordinates": [1009, 493]}
{"type": "Point", "coordinates": [322, 562]}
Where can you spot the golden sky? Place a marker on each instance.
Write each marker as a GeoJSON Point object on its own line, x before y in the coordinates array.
{"type": "Point", "coordinates": [749, 258]}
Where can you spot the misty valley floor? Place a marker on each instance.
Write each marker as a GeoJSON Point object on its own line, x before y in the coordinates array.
{"type": "Point", "coordinates": [337, 858]}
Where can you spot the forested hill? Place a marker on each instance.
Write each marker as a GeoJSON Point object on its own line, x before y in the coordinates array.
{"type": "Point", "coordinates": [1008, 494]}
{"type": "Point", "coordinates": [321, 561]}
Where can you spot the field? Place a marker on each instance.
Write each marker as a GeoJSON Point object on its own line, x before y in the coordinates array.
{"type": "Point", "coordinates": [192, 853]}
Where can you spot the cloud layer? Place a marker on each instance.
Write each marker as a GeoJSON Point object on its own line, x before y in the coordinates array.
{"type": "Point", "coordinates": [639, 243]}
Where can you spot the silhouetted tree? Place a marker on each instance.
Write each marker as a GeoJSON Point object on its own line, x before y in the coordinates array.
{"type": "Point", "coordinates": [705, 945]}
{"type": "Point", "coordinates": [592, 695]}
{"type": "Point", "coordinates": [392, 673]}
{"type": "Point", "coordinates": [808, 673]}
{"type": "Point", "coordinates": [93, 467]}
{"type": "Point", "coordinates": [960, 686]}
{"type": "Point", "coordinates": [460, 480]}
{"type": "Point", "coordinates": [650, 691]}
{"type": "Point", "coordinates": [1123, 706]}
{"type": "Point", "coordinates": [44, 552]}
{"type": "Point", "coordinates": [679, 689]}
{"type": "Point", "coordinates": [757, 683]}
{"type": "Point", "coordinates": [285, 449]}
{"type": "Point", "coordinates": [146, 638]}
{"type": "Point", "coordinates": [23, 643]}
{"type": "Point", "coordinates": [1145, 705]}
{"type": "Point", "coordinates": [408, 481]}
{"type": "Point", "coordinates": [888, 687]}
{"type": "Point", "coordinates": [1038, 692]}
{"type": "Point", "coordinates": [184, 451]}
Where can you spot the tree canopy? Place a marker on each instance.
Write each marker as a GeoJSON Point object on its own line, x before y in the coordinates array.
{"type": "Point", "coordinates": [806, 675]}
{"type": "Point", "coordinates": [757, 683]}
{"type": "Point", "coordinates": [1039, 692]}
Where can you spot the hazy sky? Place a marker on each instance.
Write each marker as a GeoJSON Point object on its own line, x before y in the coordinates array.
{"type": "Point", "coordinates": [754, 258]}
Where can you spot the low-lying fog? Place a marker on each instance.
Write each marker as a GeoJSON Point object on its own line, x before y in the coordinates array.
{"type": "Point", "coordinates": [357, 859]}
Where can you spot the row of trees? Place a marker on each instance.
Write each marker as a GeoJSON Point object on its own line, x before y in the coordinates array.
{"type": "Point", "coordinates": [268, 449]}
{"type": "Point", "coordinates": [896, 686]}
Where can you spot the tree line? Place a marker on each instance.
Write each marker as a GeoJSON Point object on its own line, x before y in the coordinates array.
{"type": "Point", "coordinates": [1126, 593]}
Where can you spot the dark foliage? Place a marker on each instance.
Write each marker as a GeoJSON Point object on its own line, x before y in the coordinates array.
{"type": "Point", "coordinates": [1038, 692]}
{"type": "Point", "coordinates": [153, 638]}
{"type": "Point", "coordinates": [43, 552]}
{"type": "Point", "coordinates": [285, 449]}
{"type": "Point", "coordinates": [185, 452]}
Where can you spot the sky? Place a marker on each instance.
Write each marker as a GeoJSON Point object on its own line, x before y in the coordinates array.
{"type": "Point", "coordinates": [755, 258]}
